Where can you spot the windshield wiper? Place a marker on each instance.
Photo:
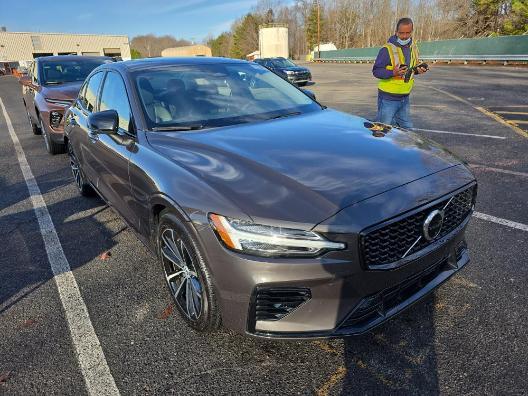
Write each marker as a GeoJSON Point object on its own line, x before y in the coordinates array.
{"type": "Point", "coordinates": [285, 115]}
{"type": "Point", "coordinates": [179, 128]}
{"type": "Point", "coordinates": [53, 82]}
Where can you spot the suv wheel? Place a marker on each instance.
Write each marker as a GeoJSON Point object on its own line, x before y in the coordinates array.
{"type": "Point", "coordinates": [51, 146]}
{"type": "Point", "coordinates": [34, 128]}
{"type": "Point", "coordinates": [78, 176]}
{"type": "Point", "coordinates": [186, 274]}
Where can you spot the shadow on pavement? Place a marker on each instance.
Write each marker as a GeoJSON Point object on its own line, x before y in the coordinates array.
{"type": "Point", "coordinates": [24, 264]}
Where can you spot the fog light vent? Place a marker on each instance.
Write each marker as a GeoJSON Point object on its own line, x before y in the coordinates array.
{"type": "Point", "coordinates": [55, 119]}
{"type": "Point", "coordinates": [276, 303]}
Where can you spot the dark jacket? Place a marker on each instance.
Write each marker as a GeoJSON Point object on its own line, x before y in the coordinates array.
{"type": "Point", "coordinates": [383, 60]}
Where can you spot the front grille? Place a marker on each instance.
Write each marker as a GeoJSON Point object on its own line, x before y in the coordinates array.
{"type": "Point", "coordinates": [390, 242]}
{"type": "Point", "coordinates": [375, 307]}
{"type": "Point", "coordinates": [276, 303]}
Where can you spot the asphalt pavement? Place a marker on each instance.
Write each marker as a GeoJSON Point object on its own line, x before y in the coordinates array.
{"type": "Point", "coordinates": [470, 337]}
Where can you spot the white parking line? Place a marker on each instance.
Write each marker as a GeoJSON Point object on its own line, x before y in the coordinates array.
{"type": "Point", "coordinates": [458, 133]}
{"type": "Point", "coordinates": [94, 368]}
{"type": "Point", "coordinates": [498, 170]}
{"type": "Point", "coordinates": [498, 220]}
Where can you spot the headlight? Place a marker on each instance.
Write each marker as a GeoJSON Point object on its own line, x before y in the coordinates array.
{"type": "Point", "coordinates": [265, 240]}
{"type": "Point", "coordinates": [59, 102]}
{"type": "Point", "coordinates": [289, 72]}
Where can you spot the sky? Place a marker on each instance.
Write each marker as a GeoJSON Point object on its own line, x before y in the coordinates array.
{"type": "Point", "coordinates": [192, 19]}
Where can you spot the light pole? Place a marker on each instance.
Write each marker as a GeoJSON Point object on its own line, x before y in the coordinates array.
{"type": "Point", "coordinates": [318, 31]}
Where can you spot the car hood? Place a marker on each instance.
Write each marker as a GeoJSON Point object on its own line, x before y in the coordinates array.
{"type": "Point", "coordinates": [303, 168]}
{"type": "Point", "coordinates": [66, 91]}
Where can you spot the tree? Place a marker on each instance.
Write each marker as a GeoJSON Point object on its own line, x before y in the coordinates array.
{"type": "Point", "coordinates": [150, 45]}
{"type": "Point", "coordinates": [518, 21]}
{"type": "Point", "coordinates": [245, 37]}
{"type": "Point", "coordinates": [312, 28]}
{"type": "Point", "coordinates": [135, 54]}
{"type": "Point", "coordinates": [221, 46]}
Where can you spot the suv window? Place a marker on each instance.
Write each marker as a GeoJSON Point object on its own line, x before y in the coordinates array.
{"type": "Point", "coordinates": [89, 97]}
{"type": "Point", "coordinates": [34, 73]}
{"type": "Point", "coordinates": [114, 97]}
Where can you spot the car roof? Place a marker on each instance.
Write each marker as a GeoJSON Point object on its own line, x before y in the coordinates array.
{"type": "Point", "coordinates": [70, 57]}
{"type": "Point", "coordinates": [146, 63]}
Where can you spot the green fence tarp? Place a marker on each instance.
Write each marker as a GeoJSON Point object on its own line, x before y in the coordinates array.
{"type": "Point", "coordinates": [494, 46]}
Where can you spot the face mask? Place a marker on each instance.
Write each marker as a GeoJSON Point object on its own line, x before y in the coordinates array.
{"type": "Point", "coordinates": [404, 42]}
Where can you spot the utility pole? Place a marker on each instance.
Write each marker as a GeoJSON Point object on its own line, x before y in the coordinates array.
{"type": "Point", "coordinates": [318, 31]}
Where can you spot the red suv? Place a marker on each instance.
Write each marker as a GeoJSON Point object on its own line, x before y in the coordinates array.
{"type": "Point", "coordinates": [50, 87]}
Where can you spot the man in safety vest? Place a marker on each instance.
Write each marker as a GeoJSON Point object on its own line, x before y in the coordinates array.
{"type": "Point", "coordinates": [393, 61]}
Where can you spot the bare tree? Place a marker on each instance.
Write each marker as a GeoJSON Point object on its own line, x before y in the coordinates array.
{"type": "Point", "coordinates": [150, 45]}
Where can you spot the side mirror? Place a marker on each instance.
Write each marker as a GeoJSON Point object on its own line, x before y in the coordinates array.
{"type": "Point", "coordinates": [104, 122]}
{"type": "Point", "coordinates": [309, 93]}
{"type": "Point", "coordinates": [25, 80]}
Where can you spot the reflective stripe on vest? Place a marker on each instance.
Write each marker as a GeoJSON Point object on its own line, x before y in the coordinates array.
{"type": "Point", "coordinates": [397, 85]}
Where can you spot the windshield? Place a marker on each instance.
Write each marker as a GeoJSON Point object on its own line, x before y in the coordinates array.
{"type": "Point", "coordinates": [283, 63]}
{"type": "Point", "coordinates": [63, 71]}
{"type": "Point", "coordinates": [210, 95]}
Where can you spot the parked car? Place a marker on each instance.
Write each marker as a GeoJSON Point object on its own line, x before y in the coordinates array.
{"type": "Point", "coordinates": [269, 212]}
{"type": "Point", "coordinates": [287, 69]}
{"type": "Point", "coordinates": [50, 87]}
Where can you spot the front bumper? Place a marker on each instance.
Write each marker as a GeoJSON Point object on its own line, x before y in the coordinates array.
{"type": "Point", "coordinates": [299, 78]}
{"type": "Point", "coordinates": [55, 134]}
{"type": "Point", "coordinates": [345, 298]}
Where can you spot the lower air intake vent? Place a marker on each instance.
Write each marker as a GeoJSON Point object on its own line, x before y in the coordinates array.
{"type": "Point", "coordinates": [276, 303]}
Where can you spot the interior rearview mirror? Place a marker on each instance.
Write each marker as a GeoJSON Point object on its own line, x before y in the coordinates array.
{"type": "Point", "coordinates": [105, 122]}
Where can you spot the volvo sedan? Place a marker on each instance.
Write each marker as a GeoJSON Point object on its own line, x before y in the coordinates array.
{"type": "Point", "coordinates": [270, 213]}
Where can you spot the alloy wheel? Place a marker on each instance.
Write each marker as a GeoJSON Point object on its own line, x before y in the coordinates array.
{"type": "Point", "coordinates": [74, 165]}
{"type": "Point", "coordinates": [181, 274]}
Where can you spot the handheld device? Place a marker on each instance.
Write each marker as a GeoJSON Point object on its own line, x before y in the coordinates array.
{"type": "Point", "coordinates": [414, 69]}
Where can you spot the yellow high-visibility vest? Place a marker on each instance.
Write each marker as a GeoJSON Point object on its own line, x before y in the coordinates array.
{"type": "Point", "coordinates": [397, 85]}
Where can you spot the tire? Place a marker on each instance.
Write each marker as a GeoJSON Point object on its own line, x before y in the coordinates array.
{"type": "Point", "coordinates": [201, 312]}
{"type": "Point", "coordinates": [51, 146]}
{"type": "Point", "coordinates": [85, 189]}
{"type": "Point", "coordinates": [34, 128]}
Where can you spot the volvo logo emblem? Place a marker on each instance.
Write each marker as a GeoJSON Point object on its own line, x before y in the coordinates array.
{"type": "Point", "coordinates": [433, 224]}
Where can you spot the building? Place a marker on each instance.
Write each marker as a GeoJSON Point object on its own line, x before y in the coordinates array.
{"type": "Point", "coordinates": [273, 40]}
{"type": "Point", "coordinates": [23, 47]}
{"type": "Point", "coordinates": [189, 50]}
{"type": "Point", "coordinates": [254, 55]}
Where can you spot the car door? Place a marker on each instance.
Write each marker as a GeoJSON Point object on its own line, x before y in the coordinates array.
{"type": "Point", "coordinates": [78, 132]}
{"type": "Point", "coordinates": [110, 153]}
{"type": "Point", "coordinates": [29, 92]}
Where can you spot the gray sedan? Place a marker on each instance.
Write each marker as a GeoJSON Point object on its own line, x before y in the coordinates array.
{"type": "Point", "coordinates": [269, 212]}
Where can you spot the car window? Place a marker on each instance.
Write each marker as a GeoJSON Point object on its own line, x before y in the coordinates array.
{"type": "Point", "coordinates": [114, 97]}
{"type": "Point", "coordinates": [82, 93]}
{"type": "Point", "coordinates": [216, 95]}
{"type": "Point", "coordinates": [281, 62]}
{"type": "Point", "coordinates": [33, 73]}
{"type": "Point", "coordinates": [60, 71]}
{"type": "Point", "coordinates": [90, 96]}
